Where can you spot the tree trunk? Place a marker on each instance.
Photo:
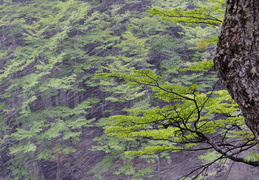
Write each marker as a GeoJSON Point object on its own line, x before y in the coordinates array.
{"type": "Point", "coordinates": [237, 58]}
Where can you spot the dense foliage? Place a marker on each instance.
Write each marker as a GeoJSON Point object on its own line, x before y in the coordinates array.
{"type": "Point", "coordinates": [70, 65]}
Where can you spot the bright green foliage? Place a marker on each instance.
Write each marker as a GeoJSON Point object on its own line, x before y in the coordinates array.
{"type": "Point", "coordinates": [204, 12]}
{"type": "Point", "coordinates": [115, 147]}
{"type": "Point", "coordinates": [201, 39]}
{"type": "Point", "coordinates": [208, 12]}
{"type": "Point", "coordinates": [204, 66]}
{"type": "Point", "coordinates": [48, 65]}
{"type": "Point", "coordinates": [210, 156]}
{"type": "Point", "coordinates": [48, 82]}
{"type": "Point", "coordinates": [185, 114]}
{"type": "Point", "coordinates": [254, 157]}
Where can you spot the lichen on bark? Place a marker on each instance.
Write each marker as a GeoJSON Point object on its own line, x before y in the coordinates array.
{"type": "Point", "coordinates": [237, 58]}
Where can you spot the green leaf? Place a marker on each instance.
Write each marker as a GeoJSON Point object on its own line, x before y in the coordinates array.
{"type": "Point", "coordinates": [253, 157]}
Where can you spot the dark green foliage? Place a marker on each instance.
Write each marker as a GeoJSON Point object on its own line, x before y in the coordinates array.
{"type": "Point", "coordinates": [67, 65]}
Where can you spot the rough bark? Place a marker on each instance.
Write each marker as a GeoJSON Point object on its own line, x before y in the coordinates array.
{"type": "Point", "coordinates": [237, 57]}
